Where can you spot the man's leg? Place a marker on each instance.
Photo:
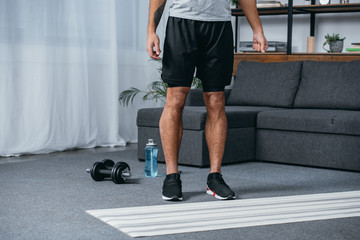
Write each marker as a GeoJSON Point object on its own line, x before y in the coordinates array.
{"type": "Point", "coordinates": [171, 133]}
{"type": "Point", "coordinates": [216, 128]}
{"type": "Point", "coordinates": [215, 134]}
{"type": "Point", "coordinates": [171, 126]}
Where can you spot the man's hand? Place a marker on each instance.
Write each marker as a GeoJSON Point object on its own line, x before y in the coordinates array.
{"type": "Point", "coordinates": [156, 9]}
{"type": "Point", "coordinates": [250, 10]}
{"type": "Point", "coordinates": [151, 42]}
{"type": "Point", "coordinates": [259, 42]}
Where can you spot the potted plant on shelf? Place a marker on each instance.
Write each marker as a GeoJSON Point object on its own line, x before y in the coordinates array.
{"type": "Point", "coordinates": [235, 2]}
{"type": "Point", "coordinates": [335, 43]}
{"type": "Point", "coordinates": [155, 91]}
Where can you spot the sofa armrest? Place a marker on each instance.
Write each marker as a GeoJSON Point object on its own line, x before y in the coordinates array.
{"type": "Point", "coordinates": [195, 97]}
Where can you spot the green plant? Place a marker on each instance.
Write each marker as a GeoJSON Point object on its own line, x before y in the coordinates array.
{"type": "Point", "coordinates": [155, 91]}
{"type": "Point", "coordinates": [330, 39]}
{"type": "Point", "coordinates": [235, 2]}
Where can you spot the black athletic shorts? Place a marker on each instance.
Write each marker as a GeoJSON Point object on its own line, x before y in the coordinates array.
{"type": "Point", "coordinates": [208, 46]}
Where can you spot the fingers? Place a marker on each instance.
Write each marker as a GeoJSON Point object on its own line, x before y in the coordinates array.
{"type": "Point", "coordinates": [150, 51]}
{"type": "Point", "coordinates": [153, 42]}
{"type": "Point", "coordinates": [157, 48]}
{"type": "Point", "coordinates": [153, 54]}
{"type": "Point", "coordinates": [257, 46]}
{"type": "Point", "coordinates": [264, 46]}
{"type": "Point", "coordinates": [260, 44]}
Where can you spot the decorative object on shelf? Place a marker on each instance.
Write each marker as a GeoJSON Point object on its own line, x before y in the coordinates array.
{"type": "Point", "coordinates": [155, 91]}
{"type": "Point", "coordinates": [307, 2]}
{"type": "Point", "coordinates": [335, 43]}
{"type": "Point", "coordinates": [310, 44]}
{"type": "Point", "coordinates": [324, 2]}
{"type": "Point", "coordinates": [235, 2]}
{"type": "Point", "coordinates": [344, 1]}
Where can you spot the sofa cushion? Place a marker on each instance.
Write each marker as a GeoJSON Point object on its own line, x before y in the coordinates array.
{"type": "Point", "coordinates": [311, 120]}
{"type": "Point", "coordinates": [265, 84]}
{"type": "Point", "coordinates": [331, 85]}
{"type": "Point", "coordinates": [194, 118]}
{"type": "Point", "coordinates": [243, 116]}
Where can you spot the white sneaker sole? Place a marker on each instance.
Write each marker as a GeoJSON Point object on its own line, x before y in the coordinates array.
{"type": "Point", "coordinates": [172, 198]}
{"type": "Point", "coordinates": [208, 191]}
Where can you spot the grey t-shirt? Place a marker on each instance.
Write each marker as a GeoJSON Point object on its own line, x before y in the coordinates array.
{"type": "Point", "coordinates": [201, 10]}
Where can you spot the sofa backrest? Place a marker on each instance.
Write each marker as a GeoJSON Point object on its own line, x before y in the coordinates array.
{"type": "Point", "coordinates": [265, 84]}
{"type": "Point", "coordinates": [330, 85]}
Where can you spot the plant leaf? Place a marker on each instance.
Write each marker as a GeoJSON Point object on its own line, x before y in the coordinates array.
{"type": "Point", "coordinates": [128, 95]}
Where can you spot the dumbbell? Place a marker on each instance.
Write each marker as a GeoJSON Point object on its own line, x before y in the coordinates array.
{"type": "Point", "coordinates": [118, 172]}
{"type": "Point", "coordinates": [99, 167]}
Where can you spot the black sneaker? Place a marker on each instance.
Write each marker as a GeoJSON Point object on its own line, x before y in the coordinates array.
{"type": "Point", "coordinates": [172, 188]}
{"type": "Point", "coordinates": [217, 187]}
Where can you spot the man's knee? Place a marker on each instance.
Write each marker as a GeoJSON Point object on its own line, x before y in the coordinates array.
{"type": "Point", "coordinates": [215, 101]}
{"type": "Point", "coordinates": [175, 98]}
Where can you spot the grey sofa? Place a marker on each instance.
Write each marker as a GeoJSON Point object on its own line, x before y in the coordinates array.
{"type": "Point", "coordinates": [305, 113]}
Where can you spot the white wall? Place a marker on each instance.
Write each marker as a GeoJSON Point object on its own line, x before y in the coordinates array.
{"type": "Point", "coordinates": [275, 28]}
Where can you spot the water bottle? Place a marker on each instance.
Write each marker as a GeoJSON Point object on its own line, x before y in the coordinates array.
{"type": "Point", "coordinates": [151, 151]}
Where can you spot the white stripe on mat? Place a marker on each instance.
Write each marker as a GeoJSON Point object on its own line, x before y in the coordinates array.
{"type": "Point", "coordinates": [205, 216]}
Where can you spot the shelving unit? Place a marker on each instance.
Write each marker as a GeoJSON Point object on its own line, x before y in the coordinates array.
{"type": "Point", "coordinates": [283, 57]}
{"type": "Point", "coordinates": [290, 10]}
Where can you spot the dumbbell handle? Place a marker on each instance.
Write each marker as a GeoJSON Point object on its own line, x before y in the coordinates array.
{"type": "Point", "coordinates": [102, 171]}
{"type": "Point", "coordinates": [105, 171]}
{"type": "Point", "coordinates": [126, 174]}
{"type": "Point", "coordinates": [108, 172]}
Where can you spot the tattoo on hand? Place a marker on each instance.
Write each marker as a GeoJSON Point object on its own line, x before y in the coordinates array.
{"type": "Point", "coordinates": [158, 13]}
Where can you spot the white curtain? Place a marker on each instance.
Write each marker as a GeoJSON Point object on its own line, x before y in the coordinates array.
{"type": "Point", "coordinates": [63, 64]}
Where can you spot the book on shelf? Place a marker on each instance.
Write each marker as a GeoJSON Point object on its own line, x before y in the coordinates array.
{"type": "Point", "coordinates": [265, 4]}
{"type": "Point", "coordinates": [353, 49]}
